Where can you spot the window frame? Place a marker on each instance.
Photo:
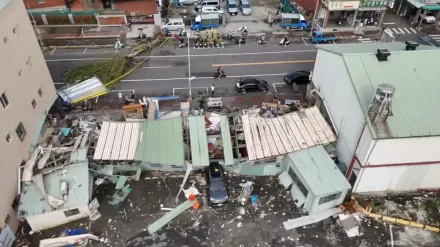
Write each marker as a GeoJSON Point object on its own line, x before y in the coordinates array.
{"type": "Point", "coordinates": [329, 198]}
{"type": "Point", "coordinates": [21, 127]}
{"type": "Point", "coordinates": [297, 181]}
{"type": "Point", "coordinates": [71, 212]}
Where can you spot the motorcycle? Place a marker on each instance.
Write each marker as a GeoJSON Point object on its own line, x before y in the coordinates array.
{"type": "Point", "coordinates": [243, 29]}
{"type": "Point", "coordinates": [218, 75]}
{"type": "Point", "coordinates": [284, 41]}
{"type": "Point", "coordinates": [262, 40]}
{"type": "Point", "coordinates": [182, 43]}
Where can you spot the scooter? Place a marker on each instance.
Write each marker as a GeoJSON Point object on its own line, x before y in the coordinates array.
{"type": "Point", "coordinates": [262, 40]}
{"type": "Point", "coordinates": [243, 30]}
{"type": "Point", "coordinates": [284, 41]}
{"type": "Point", "coordinates": [182, 43]}
{"type": "Point", "coordinates": [218, 75]}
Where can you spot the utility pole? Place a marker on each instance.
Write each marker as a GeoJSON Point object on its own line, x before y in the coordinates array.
{"type": "Point", "coordinates": [314, 17]}
{"type": "Point", "coordinates": [37, 30]}
{"type": "Point", "coordinates": [189, 67]}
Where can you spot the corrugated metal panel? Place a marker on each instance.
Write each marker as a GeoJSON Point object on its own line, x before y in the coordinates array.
{"type": "Point", "coordinates": [161, 142]}
{"type": "Point", "coordinates": [199, 141]}
{"type": "Point", "coordinates": [109, 142]}
{"type": "Point", "coordinates": [99, 150]}
{"type": "Point", "coordinates": [118, 141]}
{"type": "Point", "coordinates": [81, 90]}
{"type": "Point", "coordinates": [226, 140]}
{"type": "Point", "coordinates": [292, 132]}
{"type": "Point", "coordinates": [125, 146]}
{"type": "Point", "coordinates": [134, 137]}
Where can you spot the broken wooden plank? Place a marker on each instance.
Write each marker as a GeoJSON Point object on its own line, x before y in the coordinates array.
{"type": "Point", "coordinates": [316, 126]}
{"type": "Point", "coordinates": [269, 137]}
{"type": "Point", "coordinates": [303, 130]}
{"type": "Point", "coordinates": [283, 135]}
{"type": "Point", "coordinates": [324, 125]}
{"type": "Point", "coordinates": [264, 141]}
{"type": "Point", "coordinates": [296, 132]}
{"type": "Point", "coordinates": [77, 142]}
{"type": "Point", "coordinates": [289, 134]}
{"type": "Point", "coordinates": [276, 137]}
{"type": "Point", "coordinates": [248, 137]}
{"type": "Point", "coordinates": [256, 138]}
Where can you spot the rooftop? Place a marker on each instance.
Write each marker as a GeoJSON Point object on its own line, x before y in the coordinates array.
{"type": "Point", "coordinates": [32, 201]}
{"type": "Point", "coordinates": [412, 73]}
{"type": "Point", "coordinates": [318, 169]}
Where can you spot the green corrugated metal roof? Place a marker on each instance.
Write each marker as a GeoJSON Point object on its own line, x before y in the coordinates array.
{"type": "Point", "coordinates": [412, 73]}
{"type": "Point", "coordinates": [316, 167]}
{"type": "Point", "coordinates": [368, 48]}
{"type": "Point", "coordinates": [416, 3]}
{"type": "Point", "coordinates": [199, 141]}
{"type": "Point", "coordinates": [226, 140]}
{"type": "Point", "coordinates": [78, 178]}
{"type": "Point", "coordinates": [161, 142]}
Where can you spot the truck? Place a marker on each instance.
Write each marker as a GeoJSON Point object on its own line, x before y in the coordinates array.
{"type": "Point", "coordinates": [319, 37]}
{"type": "Point", "coordinates": [293, 21]}
{"type": "Point", "coordinates": [205, 21]}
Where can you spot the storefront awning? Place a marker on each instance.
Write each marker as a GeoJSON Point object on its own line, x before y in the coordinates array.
{"type": "Point", "coordinates": [416, 3]}
{"type": "Point", "coordinates": [432, 7]}
{"type": "Point", "coordinates": [377, 8]}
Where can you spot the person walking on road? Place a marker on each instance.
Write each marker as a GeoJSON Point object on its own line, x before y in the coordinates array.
{"type": "Point", "coordinates": [120, 97]}
{"type": "Point", "coordinates": [212, 89]}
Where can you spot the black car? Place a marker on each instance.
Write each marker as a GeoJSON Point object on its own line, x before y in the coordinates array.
{"type": "Point", "coordinates": [244, 85]}
{"type": "Point", "coordinates": [218, 193]}
{"type": "Point", "coordinates": [298, 78]}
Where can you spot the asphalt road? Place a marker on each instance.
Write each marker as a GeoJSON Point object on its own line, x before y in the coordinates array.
{"type": "Point", "coordinates": [168, 74]}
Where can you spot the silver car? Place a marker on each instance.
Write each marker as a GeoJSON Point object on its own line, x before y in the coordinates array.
{"type": "Point", "coordinates": [218, 193]}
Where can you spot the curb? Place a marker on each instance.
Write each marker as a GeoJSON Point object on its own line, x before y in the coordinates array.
{"type": "Point", "coordinates": [79, 46]}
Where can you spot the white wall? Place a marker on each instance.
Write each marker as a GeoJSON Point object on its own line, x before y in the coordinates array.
{"type": "Point", "coordinates": [405, 150]}
{"type": "Point", "coordinates": [330, 76]}
{"type": "Point", "coordinates": [398, 178]}
{"type": "Point", "coordinates": [365, 146]}
{"type": "Point", "coordinates": [317, 208]}
{"type": "Point", "coordinates": [56, 218]}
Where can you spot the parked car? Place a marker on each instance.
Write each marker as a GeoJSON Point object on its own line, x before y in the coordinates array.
{"type": "Point", "coordinates": [232, 7]}
{"type": "Point", "coordinates": [429, 19]}
{"type": "Point", "coordinates": [218, 193]}
{"type": "Point", "coordinates": [211, 10]}
{"type": "Point", "coordinates": [298, 78]}
{"type": "Point", "coordinates": [245, 7]}
{"type": "Point", "coordinates": [174, 24]}
{"type": "Point", "coordinates": [244, 85]}
{"type": "Point", "coordinates": [187, 2]}
{"type": "Point", "coordinates": [202, 3]}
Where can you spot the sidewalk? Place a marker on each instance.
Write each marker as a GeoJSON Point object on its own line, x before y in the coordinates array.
{"type": "Point", "coordinates": [93, 35]}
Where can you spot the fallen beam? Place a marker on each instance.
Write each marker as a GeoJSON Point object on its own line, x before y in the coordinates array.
{"type": "Point", "coordinates": [170, 216]}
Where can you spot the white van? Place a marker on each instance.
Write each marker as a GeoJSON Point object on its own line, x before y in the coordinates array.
{"type": "Point", "coordinates": [245, 7]}
{"type": "Point", "coordinates": [212, 3]}
{"type": "Point", "coordinates": [211, 10]}
{"type": "Point", "coordinates": [232, 7]}
{"type": "Point", "coordinates": [174, 24]}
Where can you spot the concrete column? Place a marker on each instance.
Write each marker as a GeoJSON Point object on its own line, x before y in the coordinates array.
{"type": "Point", "coordinates": [400, 7]}
{"type": "Point", "coordinates": [326, 17]}
{"type": "Point", "coordinates": [353, 23]}
{"type": "Point", "coordinates": [416, 17]}
{"type": "Point", "coordinates": [382, 15]}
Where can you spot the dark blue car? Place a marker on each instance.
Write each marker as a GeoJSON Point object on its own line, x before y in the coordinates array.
{"type": "Point", "coordinates": [218, 193]}
{"type": "Point", "coordinates": [298, 78]}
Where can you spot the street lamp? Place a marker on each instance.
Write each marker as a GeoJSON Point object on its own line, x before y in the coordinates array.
{"type": "Point", "coordinates": [189, 67]}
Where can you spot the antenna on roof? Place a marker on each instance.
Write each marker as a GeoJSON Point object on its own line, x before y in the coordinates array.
{"type": "Point", "coordinates": [380, 107]}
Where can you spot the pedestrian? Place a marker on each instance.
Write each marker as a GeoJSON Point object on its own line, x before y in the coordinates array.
{"type": "Point", "coordinates": [270, 20]}
{"type": "Point", "coordinates": [212, 89]}
{"type": "Point", "coordinates": [132, 95]}
{"type": "Point", "coordinates": [120, 97]}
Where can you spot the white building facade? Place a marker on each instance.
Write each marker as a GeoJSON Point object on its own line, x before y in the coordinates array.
{"type": "Point", "coordinates": [398, 154]}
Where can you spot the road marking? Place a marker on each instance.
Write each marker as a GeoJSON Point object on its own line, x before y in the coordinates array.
{"type": "Point", "coordinates": [406, 30]}
{"type": "Point", "coordinates": [77, 59]}
{"type": "Point", "coordinates": [85, 50]}
{"type": "Point", "coordinates": [200, 78]}
{"type": "Point", "coordinates": [263, 63]}
{"type": "Point", "coordinates": [53, 51]}
{"type": "Point", "coordinates": [412, 30]}
{"type": "Point", "coordinates": [181, 88]}
{"type": "Point", "coordinates": [333, 42]}
{"type": "Point", "coordinates": [156, 67]}
{"type": "Point", "coordinates": [275, 87]}
{"type": "Point", "coordinates": [304, 41]}
{"type": "Point", "coordinates": [389, 23]}
{"type": "Point", "coordinates": [401, 30]}
{"type": "Point", "coordinates": [395, 30]}
{"type": "Point", "coordinates": [388, 31]}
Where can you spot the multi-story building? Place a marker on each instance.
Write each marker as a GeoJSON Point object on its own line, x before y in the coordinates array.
{"type": "Point", "coordinates": [26, 94]}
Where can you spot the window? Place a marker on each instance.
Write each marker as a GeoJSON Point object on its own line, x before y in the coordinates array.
{"type": "Point", "coordinates": [34, 103]}
{"type": "Point", "coordinates": [8, 137]}
{"type": "Point", "coordinates": [71, 212]}
{"type": "Point", "coordinates": [8, 219]}
{"type": "Point", "coordinates": [15, 30]}
{"type": "Point", "coordinates": [298, 182]}
{"type": "Point", "coordinates": [40, 92]}
{"type": "Point", "coordinates": [5, 39]}
{"type": "Point", "coordinates": [329, 198]}
{"type": "Point", "coordinates": [19, 73]}
{"type": "Point", "coordinates": [21, 132]}
{"type": "Point", "coordinates": [4, 100]}
{"type": "Point", "coordinates": [29, 62]}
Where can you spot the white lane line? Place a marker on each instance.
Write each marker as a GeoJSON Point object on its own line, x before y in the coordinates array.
{"type": "Point", "coordinates": [389, 23]}
{"type": "Point", "coordinates": [401, 30]}
{"type": "Point", "coordinates": [200, 78]}
{"type": "Point", "coordinates": [388, 31]}
{"type": "Point", "coordinates": [180, 56]}
{"type": "Point", "coordinates": [53, 51]}
{"type": "Point", "coordinates": [434, 35]}
{"type": "Point", "coordinates": [156, 67]}
{"type": "Point", "coordinates": [412, 30]}
{"type": "Point", "coordinates": [275, 87]}
{"type": "Point", "coordinates": [85, 50]}
{"type": "Point", "coordinates": [395, 30]}
{"type": "Point", "coordinates": [406, 30]}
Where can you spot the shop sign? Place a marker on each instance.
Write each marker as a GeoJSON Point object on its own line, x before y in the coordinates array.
{"type": "Point", "coordinates": [344, 5]}
{"type": "Point", "coordinates": [367, 3]}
